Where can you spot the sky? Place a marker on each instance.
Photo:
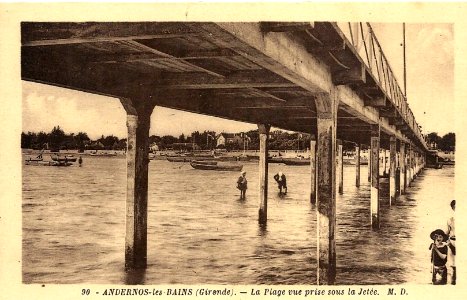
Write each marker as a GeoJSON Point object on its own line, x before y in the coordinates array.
{"type": "Point", "coordinates": [430, 91]}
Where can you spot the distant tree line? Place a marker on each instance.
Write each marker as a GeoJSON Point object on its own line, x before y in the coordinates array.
{"type": "Point", "coordinates": [445, 143]}
{"type": "Point", "coordinates": [58, 140]}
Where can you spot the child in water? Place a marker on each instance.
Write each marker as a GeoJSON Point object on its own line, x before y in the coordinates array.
{"type": "Point", "coordinates": [439, 251]}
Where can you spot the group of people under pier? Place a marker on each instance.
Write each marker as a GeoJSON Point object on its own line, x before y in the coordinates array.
{"type": "Point", "coordinates": [280, 178]}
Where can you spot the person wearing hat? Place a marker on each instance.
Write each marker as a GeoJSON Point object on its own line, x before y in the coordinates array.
{"type": "Point", "coordinates": [439, 251]}
{"type": "Point", "coordinates": [242, 184]}
{"type": "Point", "coordinates": [451, 233]}
{"type": "Point", "coordinates": [281, 182]}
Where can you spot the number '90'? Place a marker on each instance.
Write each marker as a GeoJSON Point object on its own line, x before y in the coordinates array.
{"type": "Point", "coordinates": [85, 291]}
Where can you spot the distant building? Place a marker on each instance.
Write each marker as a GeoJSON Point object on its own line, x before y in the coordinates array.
{"type": "Point", "coordinates": [229, 139]}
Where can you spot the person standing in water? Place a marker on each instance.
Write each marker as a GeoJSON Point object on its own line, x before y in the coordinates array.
{"type": "Point", "coordinates": [242, 185]}
{"type": "Point", "coordinates": [451, 233]}
{"type": "Point", "coordinates": [281, 182]}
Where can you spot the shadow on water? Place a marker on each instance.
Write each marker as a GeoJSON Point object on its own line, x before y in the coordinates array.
{"type": "Point", "coordinates": [263, 230]}
{"type": "Point", "coordinates": [134, 277]}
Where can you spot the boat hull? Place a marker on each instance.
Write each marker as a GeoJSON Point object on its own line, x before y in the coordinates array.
{"type": "Point", "coordinates": [215, 167]}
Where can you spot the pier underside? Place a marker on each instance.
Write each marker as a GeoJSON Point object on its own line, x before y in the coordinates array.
{"type": "Point", "coordinates": [303, 76]}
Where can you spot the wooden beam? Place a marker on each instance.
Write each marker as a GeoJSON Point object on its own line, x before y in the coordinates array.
{"type": "Point", "coordinates": [62, 33]}
{"type": "Point", "coordinates": [285, 26]}
{"type": "Point", "coordinates": [355, 75]}
{"type": "Point", "coordinates": [376, 102]}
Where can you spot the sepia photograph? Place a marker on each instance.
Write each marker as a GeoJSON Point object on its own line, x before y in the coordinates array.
{"type": "Point", "coordinates": [203, 155]}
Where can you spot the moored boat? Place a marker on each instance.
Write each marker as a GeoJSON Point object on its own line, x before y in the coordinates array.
{"type": "Point", "coordinates": [296, 161]}
{"type": "Point", "coordinates": [47, 163]}
{"type": "Point", "coordinates": [215, 166]}
{"type": "Point", "coordinates": [66, 158]}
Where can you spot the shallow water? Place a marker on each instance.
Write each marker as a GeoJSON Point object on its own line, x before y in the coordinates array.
{"type": "Point", "coordinates": [200, 232]}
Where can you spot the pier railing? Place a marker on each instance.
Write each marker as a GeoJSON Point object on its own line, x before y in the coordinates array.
{"type": "Point", "coordinates": [365, 43]}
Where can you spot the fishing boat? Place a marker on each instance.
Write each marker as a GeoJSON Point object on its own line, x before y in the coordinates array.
{"type": "Point", "coordinates": [275, 160]}
{"type": "Point", "coordinates": [181, 158]}
{"type": "Point", "coordinates": [47, 163]}
{"type": "Point", "coordinates": [66, 158]}
{"type": "Point", "coordinates": [297, 161]}
{"type": "Point", "coordinates": [213, 165]}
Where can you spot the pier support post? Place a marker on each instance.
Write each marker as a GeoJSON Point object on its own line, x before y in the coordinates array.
{"type": "Point", "coordinates": [385, 152]}
{"type": "Point", "coordinates": [409, 166]}
{"type": "Point", "coordinates": [138, 123]}
{"type": "Point", "coordinates": [374, 198]}
{"type": "Point", "coordinates": [263, 172]}
{"type": "Point", "coordinates": [369, 164]}
{"type": "Point", "coordinates": [357, 166]}
{"type": "Point", "coordinates": [392, 170]}
{"type": "Point", "coordinates": [326, 106]}
{"type": "Point", "coordinates": [340, 166]}
{"type": "Point", "coordinates": [403, 160]}
{"type": "Point", "coordinates": [313, 171]}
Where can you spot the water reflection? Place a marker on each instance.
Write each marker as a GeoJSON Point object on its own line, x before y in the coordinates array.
{"type": "Point", "coordinates": [135, 277]}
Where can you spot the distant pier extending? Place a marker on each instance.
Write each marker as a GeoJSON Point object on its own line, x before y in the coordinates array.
{"type": "Point", "coordinates": [300, 76]}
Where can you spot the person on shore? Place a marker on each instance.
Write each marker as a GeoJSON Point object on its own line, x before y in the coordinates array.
{"type": "Point", "coordinates": [281, 182]}
{"type": "Point", "coordinates": [80, 161]}
{"type": "Point", "coordinates": [451, 233]}
{"type": "Point", "coordinates": [242, 185]}
{"type": "Point", "coordinates": [439, 251]}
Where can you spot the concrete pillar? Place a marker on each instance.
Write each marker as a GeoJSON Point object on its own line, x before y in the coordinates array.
{"type": "Point", "coordinates": [403, 160]}
{"type": "Point", "coordinates": [138, 123]}
{"type": "Point", "coordinates": [392, 170]}
{"type": "Point", "coordinates": [369, 163]}
{"type": "Point", "coordinates": [409, 166]}
{"type": "Point", "coordinates": [357, 166]}
{"type": "Point", "coordinates": [340, 167]}
{"type": "Point", "coordinates": [384, 161]}
{"type": "Point", "coordinates": [326, 106]}
{"type": "Point", "coordinates": [398, 168]}
{"type": "Point", "coordinates": [313, 171]}
{"type": "Point", "coordinates": [374, 187]}
{"type": "Point", "coordinates": [263, 172]}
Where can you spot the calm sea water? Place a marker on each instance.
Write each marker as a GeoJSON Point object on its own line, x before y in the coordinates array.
{"type": "Point", "coordinates": [199, 231]}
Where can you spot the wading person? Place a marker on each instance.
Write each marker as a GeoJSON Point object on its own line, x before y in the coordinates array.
{"type": "Point", "coordinates": [451, 233]}
{"type": "Point", "coordinates": [242, 184]}
{"type": "Point", "coordinates": [281, 182]}
{"type": "Point", "coordinates": [439, 251]}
